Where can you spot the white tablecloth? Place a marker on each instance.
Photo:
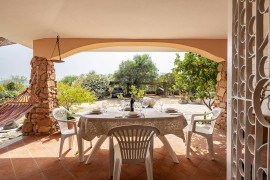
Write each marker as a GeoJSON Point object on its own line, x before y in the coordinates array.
{"type": "Point", "coordinates": [91, 125]}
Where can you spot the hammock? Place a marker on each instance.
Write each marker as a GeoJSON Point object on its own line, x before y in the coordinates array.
{"type": "Point", "coordinates": [17, 107]}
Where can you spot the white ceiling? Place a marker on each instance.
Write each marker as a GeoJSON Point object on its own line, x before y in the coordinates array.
{"type": "Point", "coordinates": [24, 21]}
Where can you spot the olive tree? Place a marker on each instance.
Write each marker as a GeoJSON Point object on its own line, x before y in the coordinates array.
{"type": "Point", "coordinates": [140, 69]}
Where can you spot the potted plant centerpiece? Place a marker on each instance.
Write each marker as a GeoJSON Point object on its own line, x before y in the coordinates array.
{"type": "Point", "coordinates": [70, 118]}
{"type": "Point", "coordinates": [137, 93]}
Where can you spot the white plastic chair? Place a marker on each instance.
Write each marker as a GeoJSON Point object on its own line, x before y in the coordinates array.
{"type": "Point", "coordinates": [203, 130]}
{"type": "Point", "coordinates": [60, 115]}
{"type": "Point", "coordinates": [135, 145]}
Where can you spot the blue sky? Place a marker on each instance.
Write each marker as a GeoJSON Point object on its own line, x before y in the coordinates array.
{"type": "Point", "coordinates": [15, 60]}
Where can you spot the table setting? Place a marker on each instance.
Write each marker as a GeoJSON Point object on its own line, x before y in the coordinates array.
{"type": "Point", "coordinates": [98, 121]}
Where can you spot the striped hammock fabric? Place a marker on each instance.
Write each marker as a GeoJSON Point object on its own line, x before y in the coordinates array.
{"type": "Point", "coordinates": [15, 108]}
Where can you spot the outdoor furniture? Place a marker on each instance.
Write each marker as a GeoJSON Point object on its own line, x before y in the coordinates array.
{"type": "Point", "coordinates": [15, 108]}
{"type": "Point", "coordinates": [60, 115]}
{"type": "Point", "coordinates": [92, 125]}
{"type": "Point", "coordinates": [135, 145]}
{"type": "Point", "coordinates": [205, 130]}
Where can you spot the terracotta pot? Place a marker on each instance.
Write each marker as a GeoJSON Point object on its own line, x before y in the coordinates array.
{"type": "Point", "coordinates": [70, 125]}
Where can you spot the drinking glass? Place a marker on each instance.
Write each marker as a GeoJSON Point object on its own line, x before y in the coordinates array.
{"type": "Point", "coordinates": [145, 104]}
{"type": "Point", "coordinates": [123, 106]}
{"type": "Point", "coordinates": [118, 105]}
{"type": "Point", "coordinates": [138, 106]}
{"type": "Point", "coordinates": [161, 105]}
{"type": "Point", "coordinates": [104, 106]}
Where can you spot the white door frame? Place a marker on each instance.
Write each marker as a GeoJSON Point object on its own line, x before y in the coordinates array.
{"type": "Point", "coordinates": [229, 90]}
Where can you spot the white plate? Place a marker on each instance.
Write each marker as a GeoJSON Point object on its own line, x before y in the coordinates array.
{"type": "Point", "coordinates": [133, 116]}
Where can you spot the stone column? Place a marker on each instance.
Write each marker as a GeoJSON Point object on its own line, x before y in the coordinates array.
{"type": "Point", "coordinates": [221, 95]}
{"type": "Point", "coordinates": [43, 85]}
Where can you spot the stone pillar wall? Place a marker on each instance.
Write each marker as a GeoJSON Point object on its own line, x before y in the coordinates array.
{"type": "Point", "coordinates": [44, 86]}
{"type": "Point", "coordinates": [221, 95]}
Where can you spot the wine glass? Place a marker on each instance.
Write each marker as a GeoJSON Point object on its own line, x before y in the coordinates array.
{"type": "Point", "coordinates": [138, 106]}
{"type": "Point", "coordinates": [161, 105]}
{"type": "Point", "coordinates": [118, 105]}
{"type": "Point", "coordinates": [104, 106]}
{"type": "Point", "coordinates": [123, 106]}
{"type": "Point", "coordinates": [145, 104]}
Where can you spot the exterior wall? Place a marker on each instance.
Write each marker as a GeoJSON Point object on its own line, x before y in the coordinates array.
{"type": "Point", "coordinates": [214, 49]}
{"type": "Point", "coordinates": [43, 85]}
{"type": "Point", "coordinates": [221, 95]}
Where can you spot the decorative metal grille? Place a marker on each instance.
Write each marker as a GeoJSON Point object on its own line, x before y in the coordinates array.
{"type": "Point", "coordinates": [250, 96]}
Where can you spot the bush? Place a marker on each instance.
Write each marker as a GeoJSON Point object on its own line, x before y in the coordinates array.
{"type": "Point", "coordinates": [96, 83]}
{"type": "Point", "coordinates": [69, 80]}
{"type": "Point", "coordinates": [12, 87]}
{"type": "Point", "coordinates": [71, 95]}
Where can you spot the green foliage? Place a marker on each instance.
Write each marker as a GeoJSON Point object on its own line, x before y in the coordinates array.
{"type": "Point", "coordinates": [69, 80]}
{"type": "Point", "coordinates": [169, 79]}
{"type": "Point", "coordinates": [1, 88]}
{"type": "Point", "coordinates": [12, 87]}
{"type": "Point", "coordinates": [137, 93]}
{"type": "Point", "coordinates": [196, 75]}
{"type": "Point", "coordinates": [134, 72]}
{"type": "Point", "coordinates": [96, 83]}
{"type": "Point", "coordinates": [70, 117]}
{"type": "Point", "coordinates": [71, 95]}
{"type": "Point", "coordinates": [120, 96]}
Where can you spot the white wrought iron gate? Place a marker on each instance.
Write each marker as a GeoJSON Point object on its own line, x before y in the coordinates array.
{"type": "Point", "coordinates": [249, 71]}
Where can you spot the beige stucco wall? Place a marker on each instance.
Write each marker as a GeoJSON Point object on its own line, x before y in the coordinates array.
{"type": "Point", "coordinates": [214, 49]}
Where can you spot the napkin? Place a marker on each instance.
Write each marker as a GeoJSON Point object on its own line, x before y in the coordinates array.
{"type": "Point", "coordinates": [171, 110]}
{"type": "Point", "coordinates": [96, 110]}
{"type": "Point", "coordinates": [127, 109]}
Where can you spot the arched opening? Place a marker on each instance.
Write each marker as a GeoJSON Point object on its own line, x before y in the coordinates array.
{"type": "Point", "coordinates": [214, 49]}
{"type": "Point", "coordinates": [100, 46]}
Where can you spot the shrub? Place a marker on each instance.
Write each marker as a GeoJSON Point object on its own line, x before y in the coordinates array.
{"type": "Point", "coordinates": [71, 95]}
{"type": "Point", "coordinates": [96, 83]}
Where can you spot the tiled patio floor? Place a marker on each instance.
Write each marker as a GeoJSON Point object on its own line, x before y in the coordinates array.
{"type": "Point", "coordinates": [35, 157]}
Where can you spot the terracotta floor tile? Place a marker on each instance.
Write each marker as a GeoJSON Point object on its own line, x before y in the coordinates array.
{"type": "Point", "coordinates": [186, 169]}
{"type": "Point", "coordinates": [16, 145]}
{"type": "Point", "coordinates": [57, 173]}
{"type": "Point", "coordinates": [39, 176]}
{"type": "Point", "coordinates": [36, 157]}
{"type": "Point", "coordinates": [177, 175]}
{"type": "Point", "coordinates": [191, 161]}
{"type": "Point", "coordinates": [160, 171]}
{"type": "Point", "coordinates": [133, 170]}
{"type": "Point", "coordinates": [25, 167]}
{"type": "Point", "coordinates": [212, 168]}
{"type": "Point", "coordinates": [222, 175]}
{"type": "Point", "coordinates": [6, 169]}
{"type": "Point", "coordinates": [142, 176]}
{"type": "Point", "coordinates": [125, 176]}
{"type": "Point", "coordinates": [47, 163]}
{"type": "Point", "coordinates": [202, 175]}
